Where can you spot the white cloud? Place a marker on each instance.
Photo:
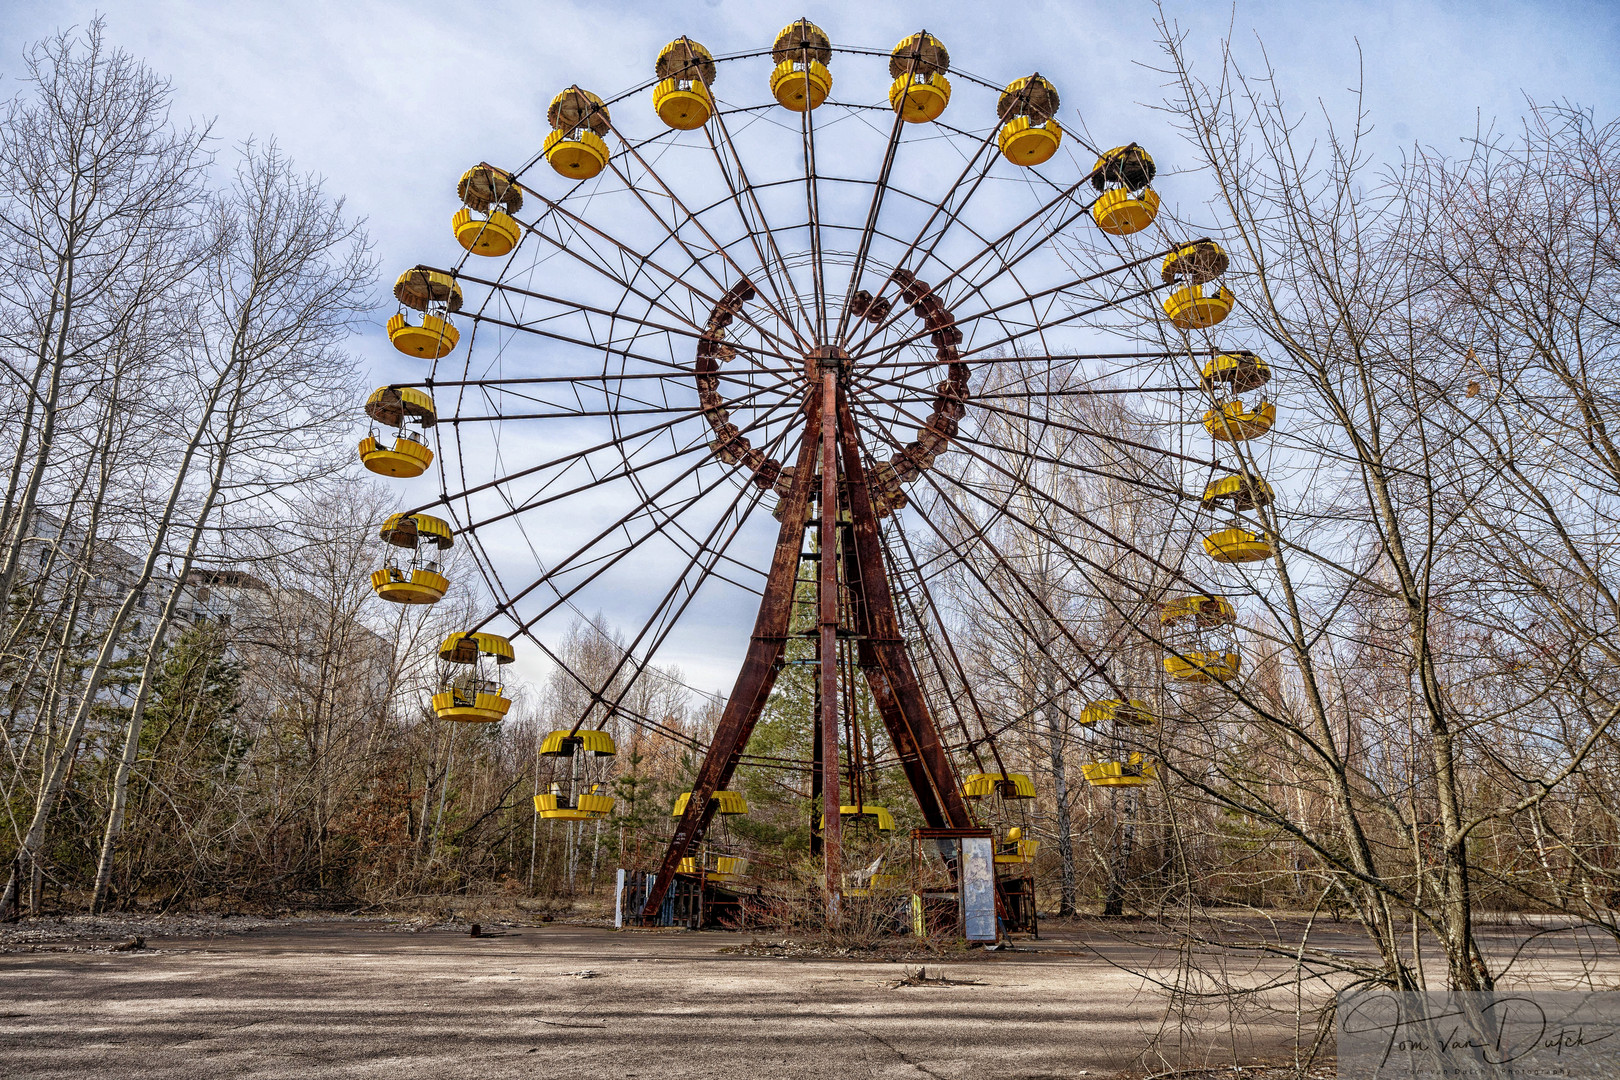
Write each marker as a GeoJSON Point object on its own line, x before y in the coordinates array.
{"type": "Point", "coordinates": [391, 101]}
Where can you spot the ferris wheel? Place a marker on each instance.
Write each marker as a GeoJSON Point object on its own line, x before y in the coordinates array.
{"type": "Point", "coordinates": [707, 351]}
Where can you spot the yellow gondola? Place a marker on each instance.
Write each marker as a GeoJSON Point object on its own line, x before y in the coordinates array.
{"type": "Point", "coordinates": [865, 814]}
{"type": "Point", "coordinates": [801, 80]}
{"type": "Point", "coordinates": [1016, 850]}
{"type": "Point", "coordinates": [1030, 133]}
{"type": "Point", "coordinates": [1203, 667]}
{"type": "Point", "coordinates": [420, 582]}
{"type": "Point", "coordinates": [436, 295]}
{"type": "Point", "coordinates": [485, 225]}
{"type": "Point", "coordinates": [575, 148]}
{"type": "Point", "coordinates": [557, 806]}
{"type": "Point", "coordinates": [685, 72]}
{"type": "Point", "coordinates": [1237, 491]}
{"type": "Point", "coordinates": [875, 883]}
{"type": "Point", "coordinates": [1191, 308]}
{"type": "Point", "coordinates": [1197, 263]}
{"type": "Point", "coordinates": [1236, 372]}
{"type": "Point", "coordinates": [1238, 546]}
{"type": "Point", "coordinates": [920, 91]}
{"type": "Point", "coordinates": [1125, 203]}
{"type": "Point", "coordinates": [473, 696]}
{"type": "Point", "coordinates": [728, 803]}
{"type": "Point", "coordinates": [566, 744]}
{"type": "Point", "coordinates": [726, 868]}
{"type": "Point", "coordinates": [1007, 785]}
{"type": "Point", "coordinates": [1131, 713]}
{"type": "Point", "coordinates": [1235, 422]}
{"type": "Point", "coordinates": [1133, 772]}
{"type": "Point", "coordinates": [1201, 611]}
{"type": "Point", "coordinates": [406, 458]}
{"type": "Point", "coordinates": [396, 407]}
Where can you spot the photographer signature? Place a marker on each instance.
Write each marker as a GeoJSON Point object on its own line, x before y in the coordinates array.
{"type": "Point", "coordinates": [1498, 1032]}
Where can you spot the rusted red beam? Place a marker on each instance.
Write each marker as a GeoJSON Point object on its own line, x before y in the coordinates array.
{"type": "Point", "coordinates": [759, 668]}
{"type": "Point", "coordinates": [894, 721]}
{"type": "Point", "coordinates": [832, 829]}
{"type": "Point", "coordinates": [830, 435]}
{"type": "Point", "coordinates": [900, 698]}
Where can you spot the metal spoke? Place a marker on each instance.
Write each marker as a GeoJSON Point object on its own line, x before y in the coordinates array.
{"type": "Point", "coordinates": [620, 372]}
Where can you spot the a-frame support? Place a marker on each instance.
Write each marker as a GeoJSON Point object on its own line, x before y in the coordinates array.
{"type": "Point", "coordinates": [830, 435]}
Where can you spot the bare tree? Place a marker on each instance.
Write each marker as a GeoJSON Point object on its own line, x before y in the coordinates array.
{"type": "Point", "coordinates": [1051, 527]}
{"type": "Point", "coordinates": [1390, 719]}
{"type": "Point", "coordinates": [286, 278]}
{"type": "Point", "coordinates": [96, 189]}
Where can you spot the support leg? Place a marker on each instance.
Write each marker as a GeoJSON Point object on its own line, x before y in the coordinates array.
{"type": "Point", "coordinates": [758, 672]}
{"type": "Point", "coordinates": [832, 832]}
{"type": "Point", "coordinates": [911, 725]}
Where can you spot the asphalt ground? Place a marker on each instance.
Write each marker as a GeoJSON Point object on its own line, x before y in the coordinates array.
{"type": "Point", "coordinates": [352, 998]}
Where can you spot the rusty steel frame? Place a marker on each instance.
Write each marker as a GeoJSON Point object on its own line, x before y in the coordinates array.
{"type": "Point", "coordinates": [857, 635]}
{"type": "Point", "coordinates": [760, 666]}
{"type": "Point", "coordinates": [832, 818]}
{"type": "Point", "coordinates": [832, 438]}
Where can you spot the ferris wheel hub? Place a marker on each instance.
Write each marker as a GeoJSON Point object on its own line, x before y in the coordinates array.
{"type": "Point", "coordinates": [825, 357]}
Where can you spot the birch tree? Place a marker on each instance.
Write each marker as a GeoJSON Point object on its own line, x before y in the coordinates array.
{"type": "Point", "coordinates": [287, 277]}
{"type": "Point", "coordinates": [96, 193]}
{"type": "Point", "coordinates": [1441, 595]}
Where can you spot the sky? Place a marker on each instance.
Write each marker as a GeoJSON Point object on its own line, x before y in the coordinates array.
{"type": "Point", "coordinates": [391, 101]}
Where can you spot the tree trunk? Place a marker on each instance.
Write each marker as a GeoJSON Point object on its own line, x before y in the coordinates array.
{"type": "Point", "coordinates": [137, 713]}
{"type": "Point", "coordinates": [56, 775]}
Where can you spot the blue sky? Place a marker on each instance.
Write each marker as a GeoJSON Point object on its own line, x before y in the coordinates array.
{"type": "Point", "coordinates": [392, 101]}
{"type": "Point", "coordinates": [321, 75]}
